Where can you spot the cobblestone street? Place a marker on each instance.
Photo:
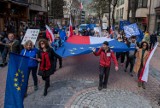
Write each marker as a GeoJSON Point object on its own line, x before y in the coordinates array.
{"type": "Point", "coordinates": [75, 86]}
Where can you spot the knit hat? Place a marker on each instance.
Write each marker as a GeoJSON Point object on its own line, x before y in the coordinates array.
{"type": "Point", "coordinates": [106, 43]}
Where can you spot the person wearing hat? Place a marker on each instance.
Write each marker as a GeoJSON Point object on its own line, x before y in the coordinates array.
{"type": "Point", "coordinates": [105, 63]}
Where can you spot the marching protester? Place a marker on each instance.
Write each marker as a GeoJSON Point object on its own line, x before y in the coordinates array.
{"type": "Point", "coordinates": [131, 55]}
{"type": "Point", "coordinates": [153, 40]}
{"type": "Point", "coordinates": [31, 52]}
{"type": "Point", "coordinates": [141, 58]}
{"type": "Point", "coordinates": [146, 37]}
{"type": "Point", "coordinates": [105, 63]}
{"type": "Point", "coordinates": [11, 45]}
{"type": "Point", "coordinates": [57, 44]}
{"type": "Point", "coordinates": [46, 57]}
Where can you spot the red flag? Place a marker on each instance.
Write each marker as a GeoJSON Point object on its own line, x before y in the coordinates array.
{"type": "Point", "coordinates": [49, 34]}
{"type": "Point", "coordinates": [70, 28]}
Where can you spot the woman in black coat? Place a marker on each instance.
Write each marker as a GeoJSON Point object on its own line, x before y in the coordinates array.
{"type": "Point", "coordinates": [46, 57]}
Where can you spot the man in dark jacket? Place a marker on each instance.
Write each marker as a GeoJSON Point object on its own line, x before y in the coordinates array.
{"type": "Point", "coordinates": [153, 40]}
{"type": "Point", "coordinates": [11, 45]}
{"type": "Point", "coordinates": [105, 63]}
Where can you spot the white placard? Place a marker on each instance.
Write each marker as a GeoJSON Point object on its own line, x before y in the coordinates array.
{"type": "Point", "coordinates": [31, 34]}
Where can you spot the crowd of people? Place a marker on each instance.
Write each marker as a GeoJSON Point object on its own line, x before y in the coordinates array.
{"type": "Point", "coordinates": [43, 53]}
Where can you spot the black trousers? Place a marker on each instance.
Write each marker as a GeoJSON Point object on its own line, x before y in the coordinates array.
{"type": "Point", "coordinates": [34, 74]}
{"type": "Point", "coordinates": [47, 81]}
{"type": "Point", "coordinates": [130, 60]}
{"type": "Point", "coordinates": [55, 62]}
{"type": "Point", "coordinates": [152, 44]}
{"type": "Point", "coordinates": [104, 75]}
{"type": "Point", "coordinates": [122, 55]}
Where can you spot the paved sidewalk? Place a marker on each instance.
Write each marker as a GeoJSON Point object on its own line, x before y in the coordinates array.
{"type": "Point", "coordinates": [75, 86]}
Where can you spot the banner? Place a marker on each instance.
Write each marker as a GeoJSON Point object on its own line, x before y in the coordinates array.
{"type": "Point", "coordinates": [31, 34]}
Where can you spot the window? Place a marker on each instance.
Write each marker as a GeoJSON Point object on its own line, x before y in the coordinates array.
{"type": "Point", "coordinates": [142, 3]}
{"type": "Point", "coordinates": [121, 13]}
{"type": "Point", "coordinates": [117, 14]}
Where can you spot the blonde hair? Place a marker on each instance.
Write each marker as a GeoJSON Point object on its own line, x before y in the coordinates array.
{"type": "Point", "coordinates": [27, 43]}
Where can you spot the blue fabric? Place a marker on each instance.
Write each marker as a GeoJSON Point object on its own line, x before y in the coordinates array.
{"type": "Point", "coordinates": [131, 30]}
{"type": "Point", "coordinates": [122, 24]}
{"type": "Point", "coordinates": [79, 49]}
{"type": "Point", "coordinates": [30, 53]}
{"type": "Point", "coordinates": [141, 36]}
{"type": "Point", "coordinates": [17, 79]}
{"type": "Point", "coordinates": [62, 34]}
{"type": "Point", "coordinates": [91, 26]}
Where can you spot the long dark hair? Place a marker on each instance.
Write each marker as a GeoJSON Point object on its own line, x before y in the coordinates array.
{"type": "Point", "coordinates": [147, 47]}
{"type": "Point", "coordinates": [45, 42]}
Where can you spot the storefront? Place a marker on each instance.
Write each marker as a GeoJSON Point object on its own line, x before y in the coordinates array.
{"type": "Point", "coordinates": [157, 20]}
{"type": "Point", "coordinates": [12, 14]}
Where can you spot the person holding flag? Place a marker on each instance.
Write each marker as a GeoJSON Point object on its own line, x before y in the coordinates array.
{"type": "Point", "coordinates": [31, 52]}
{"type": "Point", "coordinates": [105, 63]}
{"type": "Point", "coordinates": [46, 57]}
{"type": "Point", "coordinates": [141, 58]}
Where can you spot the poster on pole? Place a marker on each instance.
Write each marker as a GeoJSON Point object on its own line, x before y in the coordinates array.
{"type": "Point", "coordinates": [31, 34]}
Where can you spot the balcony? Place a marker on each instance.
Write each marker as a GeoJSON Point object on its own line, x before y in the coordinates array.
{"type": "Point", "coordinates": [157, 9]}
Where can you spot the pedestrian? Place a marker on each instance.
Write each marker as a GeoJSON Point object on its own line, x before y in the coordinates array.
{"type": "Point", "coordinates": [11, 45]}
{"type": "Point", "coordinates": [31, 52]}
{"type": "Point", "coordinates": [20, 38]}
{"type": "Point", "coordinates": [120, 54]}
{"type": "Point", "coordinates": [46, 57]}
{"type": "Point", "coordinates": [56, 45]}
{"type": "Point", "coordinates": [153, 40]}
{"type": "Point", "coordinates": [131, 55]}
{"type": "Point", "coordinates": [146, 37]}
{"type": "Point", "coordinates": [105, 63]}
{"type": "Point", "coordinates": [141, 58]}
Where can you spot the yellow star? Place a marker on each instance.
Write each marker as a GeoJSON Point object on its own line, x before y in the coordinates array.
{"type": "Point", "coordinates": [22, 76]}
{"type": "Point", "coordinates": [18, 88]}
{"type": "Point", "coordinates": [15, 79]}
{"type": "Point", "coordinates": [16, 74]}
{"type": "Point", "coordinates": [15, 84]}
{"type": "Point", "coordinates": [22, 80]}
{"type": "Point", "coordinates": [19, 70]}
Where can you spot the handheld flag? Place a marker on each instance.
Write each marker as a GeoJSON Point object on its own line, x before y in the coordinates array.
{"type": "Point", "coordinates": [123, 23]}
{"type": "Point", "coordinates": [70, 28]}
{"type": "Point", "coordinates": [131, 30]}
{"type": "Point", "coordinates": [17, 81]}
{"type": "Point", "coordinates": [49, 34]}
{"type": "Point", "coordinates": [81, 7]}
{"type": "Point", "coordinates": [145, 70]}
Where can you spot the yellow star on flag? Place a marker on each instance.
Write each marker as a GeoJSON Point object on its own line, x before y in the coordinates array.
{"type": "Point", "coordinates": [15, 84]}
{"type": "Point", "coordinates": [15, 79]}
{"type": "Point", "coordinates": [22, 80]}
{"type": "Point", "coordinates": [18, 88]}
{"type": "Point", "coordinates": [16, 74]}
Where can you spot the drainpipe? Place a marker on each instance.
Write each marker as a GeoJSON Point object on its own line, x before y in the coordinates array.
{"type": "Point", "coordinates": [149, 15]}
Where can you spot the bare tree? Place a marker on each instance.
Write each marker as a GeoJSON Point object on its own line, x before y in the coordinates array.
{"type": "Point", "coordinates": [114, 4]}
{"type": "Point", "coordinates": [134, 6]}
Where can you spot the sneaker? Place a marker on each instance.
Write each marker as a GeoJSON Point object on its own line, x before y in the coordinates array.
{"type": "Point", "coordinates": [35, 88]}
{"type": "Point", "coordinates": [139, 84]}
{"type": "Point", "coordinates": [131, 74]}
{"type": "Point", "coordinates": [99, 88]}
{"type": "Point", "coordinates": [125, 70]}
{"type": "Point", "coordinates": [105, 86]}
{"type": "Point", "coordinates": [143, 86]}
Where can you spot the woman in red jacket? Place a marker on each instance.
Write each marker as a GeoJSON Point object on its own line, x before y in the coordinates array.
{"type": "Point", "coordinates": [105, 63]}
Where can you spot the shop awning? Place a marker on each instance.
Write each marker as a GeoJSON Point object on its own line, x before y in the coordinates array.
{"type": "Point", "coordinates": [20, 2]}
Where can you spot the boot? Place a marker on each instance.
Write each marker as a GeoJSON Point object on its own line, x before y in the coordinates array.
{"type": "Point", "coordinates": [139, 84]}
{"type": "Point", "coordinates": [143, 85]}
{"type": "Point", "coordinates": [100, 82]}
{"type": "Point", "coordinates": [45, 92]}
{"type": "Point", "coordinates": [105, 86]}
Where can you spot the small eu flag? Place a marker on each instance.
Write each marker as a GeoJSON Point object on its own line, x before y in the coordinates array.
{"type": "Point", "coordinates": [17, 81]}
{"type": "Point", "coordinates": [131, 30]}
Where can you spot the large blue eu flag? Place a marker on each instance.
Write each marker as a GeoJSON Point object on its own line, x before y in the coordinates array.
{"type": "Point", "coordinates": [17, 79]}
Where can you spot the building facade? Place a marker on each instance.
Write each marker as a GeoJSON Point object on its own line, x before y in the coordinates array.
{"type": "Point", "coordinates": [12, 14]}
{"type": "Point", "coordinates": [38, 13]}
{"type": "Point", "coordinates": [71, 8]}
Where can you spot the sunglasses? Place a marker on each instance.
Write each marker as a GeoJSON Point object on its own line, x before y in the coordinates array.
{"type": "Point", "coordinates": [144, 45]}
{"type": "Point", "coordinates": [42, 43]}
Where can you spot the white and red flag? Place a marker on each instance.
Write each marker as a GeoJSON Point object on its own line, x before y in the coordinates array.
{"type": "Point", "coordinates": [49, 34]}
{"type": "Point", "coordinates": [81, 7]}
{"type": "Point", "coordinates": [70, 28]}
{"type": "Point", "coordinates": [145, 70]}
